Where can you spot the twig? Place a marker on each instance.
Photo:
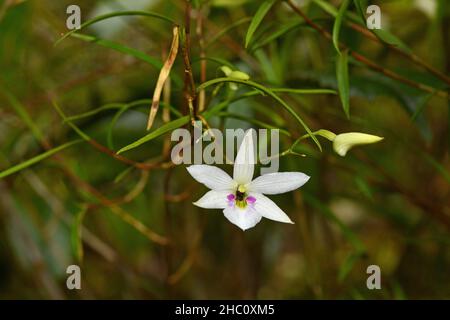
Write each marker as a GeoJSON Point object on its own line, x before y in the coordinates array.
{"type": "Point", "coordinates": [201, 43]}
{"type": "Point", "coordinates": [190, 91]}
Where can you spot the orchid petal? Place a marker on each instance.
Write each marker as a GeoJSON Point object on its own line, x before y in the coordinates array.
{"type": "Point", "coordinates": [278, 182]}
{"type": "Point", "coordinates": [212, 177]}
{"type": "Point", "coordinates": [245, 160]}
{"type": "Point", "coordinates": [244, 218]}
{"type": "Point", "coordinates": [268, 209]}
{"type": "Point", "coordinates": [213, 200]}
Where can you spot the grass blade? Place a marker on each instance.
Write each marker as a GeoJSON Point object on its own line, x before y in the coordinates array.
{"type": "Point", "coordinates": [113, 15]}
{"type": "Point", "coordinates": [343, 81]}
{"type": "Point", "coordinates": [256, 21]}
{"type": "Point", "coordinates": [37, 159]}
{"type": "Point", "coordinates": [338, 23]}
{"type": "Point", "coordinates": [156, 133]}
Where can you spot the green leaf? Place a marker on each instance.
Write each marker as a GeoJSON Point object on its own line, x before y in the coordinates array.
{"type": "Point", "coordinates": [83, 135]}
{"type": "Point", "coordinates": [391, 39]}
{"type": "Point", "coordinates": [351, 237]}
{"type": "Point", "coordinates": [253, 121]}
{"type": "Point", "coordinates": [120, 48]}
{"type": "Point", "coordinates": [23, 114]}
{"type": "Point", "coordinates": [327, 7]}
{"type": "Point", "coordinates": [284, 28]}
{"type": "Point", "coordinates": [227, 29]}
{"type": "Point", "coordinates": [219, 61]}
{"type": "Point", "coordinates": [93, 112]}
{"type": "Point", "coordinates": [127, 50]}
{"type": "Point", "coordinates": [113, 15]}
{"type": "Point", "coordinates": [348, 264]}
{"type": "Point", "coordinates": [268, 92]}
{"type": "Point", "coordinates": [37, 159]}
{"type": "Point", "coordinates": [338, 23]}
{"type": "Point", "coordinates": [343, 81]}
{"type": "Point", "coordinates": [156, 133]}
{"type": "Point", "coordinates": [256, 21]}
{"type": "Point", "coordinates": [438, 167]}
{"type": "Point", "coordinates": [360, 7]}
{"type": "Point", "coordinates": [75, 234]}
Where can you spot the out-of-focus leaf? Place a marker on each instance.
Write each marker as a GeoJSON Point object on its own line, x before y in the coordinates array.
{"type": "Point", "coordinates": [76, 236]}
{"type": "Point", "coordinates": [229, 3]}
{"type": "Point", "coordinates": [23, 114]}
{"type": "Point", "coordinates": [37, 159]}
{"type": "Point", "coordinates": [362, 185]}
{"type": "Point", "coordinates": [253, 121]}
{"type": "Point", "coordinates": [348, 264]}
{"type": "Point", "coordinates": [343, 81]}
{"type": "Point", "coordinates": [224, 31]}
{"type": "Point", "coordinates": [346, 231]}
{"type": "Point", "coordinates": [439, 167]}
{"type": "Point", "coordinates": [338, 24]}
{"type": "Point", "coordinates": [219, 61]}
{"type": "Point", "coordinates": [421, 106]}
{"type": "Point", "coordinates": [121, 48]}
{"type": "Point", "coordinates": [257, 18]}
{"type": "Point", "coordinates": [391, 39]}
{"type": "Point", "coordinates": [113, 15]}
{"type": "Point", "coordinates": [284, 28]}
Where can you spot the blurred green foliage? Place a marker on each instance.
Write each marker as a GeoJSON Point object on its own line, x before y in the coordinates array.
{"type": "Point", "coordinates": [386, 204]}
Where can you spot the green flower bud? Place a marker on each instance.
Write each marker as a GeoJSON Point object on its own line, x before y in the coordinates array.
{"type": "Point", "coordinates": [345, 141]}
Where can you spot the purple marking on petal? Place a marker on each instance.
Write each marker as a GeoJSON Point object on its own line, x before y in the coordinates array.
{"type": "Point", "coordinates": [231, 197]}
{"type": "Point", "coordinates": [250, 200]}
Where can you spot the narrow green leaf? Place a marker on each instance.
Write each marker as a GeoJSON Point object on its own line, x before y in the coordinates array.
{"type": "Point", "coordinates": [113, 15]}
{"type": "Point", "coordinates": [348, 264]}
{"type": "Point", "coordinates": [439, 167]}
{"type": "Point", "coordinates": [75, 234]}
{"type": "Point", "coordinates": [391, 39]}
{"type": "Point", "coordinates": [268, 92]}
{"type": "Point", "coordinates": [253, 121]}
{"type": "Point", "coordinates": [343, 81]}
{"type": "Point", "coordinates": [258, 17]}
{"type": "Point", "coordinates": [219, 61]}
{"type": "Point", "coordinates": [338, 23]}
{"type": "Point", "coordinates": [227, 29]}
{"type": "Point", "coordinates": [285, 28]}
{"type": "Point", "coordinates": [36, 159]}
{"type": "Point", "coordinates": [157, 63]}
{"type": "Point", "coordinates": [327, 7]}
{"type": "Point", "coordinates": [361, 6]}
{"type": "Point", "coordinates": [23, 114]}
{"type": "Point", "coordinates": [351, 237]}
{"type": "Point", "coordinates": [83, 135]}
{"type": "Point", "coordinates": [93, 112]}
{"type": "Point", "coordinates": [156, 133]}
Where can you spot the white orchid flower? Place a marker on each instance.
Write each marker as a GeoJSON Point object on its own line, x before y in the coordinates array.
{"type": "Point", "coordinates": [241, 198]}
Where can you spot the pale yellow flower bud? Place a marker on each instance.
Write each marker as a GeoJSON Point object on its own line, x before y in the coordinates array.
{"type": "Point", "coordinates": [345, 141]}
